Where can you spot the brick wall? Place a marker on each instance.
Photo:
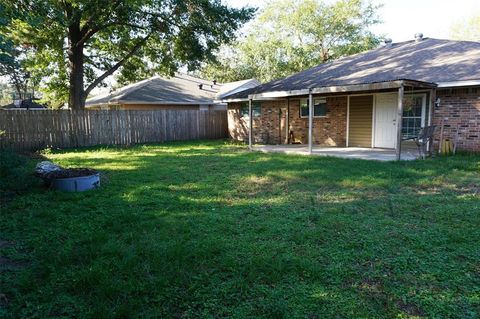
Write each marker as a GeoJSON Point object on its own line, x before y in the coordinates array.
{"type": "Point", "coordinates": [270, 127]}
{"type": "Point", "coordinates": [460, 109]}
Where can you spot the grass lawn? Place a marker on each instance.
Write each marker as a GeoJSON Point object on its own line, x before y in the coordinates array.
{"type": "Point", "coordinates": [209, 230]}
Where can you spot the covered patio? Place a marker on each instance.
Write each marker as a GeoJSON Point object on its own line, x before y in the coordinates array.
{"type": "Point", "coordinates": [374, 110]}
{"type": "Point", "coordinates": [376, 154]}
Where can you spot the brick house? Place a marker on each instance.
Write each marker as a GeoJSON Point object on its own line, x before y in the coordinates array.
{"type": "Point", "coordinates": [358, 101]}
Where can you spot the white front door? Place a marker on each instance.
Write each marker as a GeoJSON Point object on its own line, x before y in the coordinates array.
{"type": "Point", "coordinates": [385, 131]}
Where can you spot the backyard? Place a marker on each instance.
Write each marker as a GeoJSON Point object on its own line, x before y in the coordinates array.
{"type": "Point", "coordinates": [209, 230]}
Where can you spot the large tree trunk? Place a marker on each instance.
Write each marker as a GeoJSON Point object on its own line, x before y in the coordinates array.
{"type": "Point", "coordinates": [76, 98]}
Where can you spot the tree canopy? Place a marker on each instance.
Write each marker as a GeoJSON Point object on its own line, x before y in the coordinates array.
{"type": "Point", "coordinates": [467, 29]}
{"type": "Point", "coordinates": [76, 44]}
{"type": "Point", "coordinates": [292, 35]}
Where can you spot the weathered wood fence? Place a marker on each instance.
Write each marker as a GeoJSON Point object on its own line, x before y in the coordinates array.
{"type": "Point", "coordinates": [31, 130]}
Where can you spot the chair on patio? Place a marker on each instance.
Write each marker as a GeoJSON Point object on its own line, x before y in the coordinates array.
{"type": "Point", "coordinates": [423, 140]}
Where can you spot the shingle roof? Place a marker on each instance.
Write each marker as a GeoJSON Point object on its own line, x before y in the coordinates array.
{"type": "Point", "coordinates": [25, 104]}
{"type": "Point", "coordinates": [430, 60]}
{"type": "Point", "coordinates": [179, 89]}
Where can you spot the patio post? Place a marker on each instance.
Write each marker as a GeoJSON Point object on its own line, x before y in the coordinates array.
{"type": "Point", "coordinates": [310, 122]}
{"type": "Point", "coordinates": [250, 124]}
{"type": "Point", "coordinates": [431, 106]}
{"type": "Point", "coordinates": [287, 122]}
{"type": "Point", "coordinates": [398, 148]}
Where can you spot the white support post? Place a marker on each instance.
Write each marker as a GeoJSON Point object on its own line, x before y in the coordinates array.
{"type": "Point", "coordinates": [398, 148]}
{"type": "Point", "coordinates": [310, 122]}
{"type": "Point", "coordinates": [431, 106]}
{"type": "Point", "coordinates": [287, 123]}
{"type": "Point", "coordinates": [250, 124]}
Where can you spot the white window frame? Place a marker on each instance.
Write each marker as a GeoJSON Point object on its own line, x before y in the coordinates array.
{"type": "Point", "coordinates": [254, 105]}
{"type": "Point", "coordinates": [314, 99]}
{"type": "Point", "coordinates": [424, 110]}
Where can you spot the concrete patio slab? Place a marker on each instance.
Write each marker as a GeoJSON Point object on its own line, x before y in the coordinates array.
{"type": "Point", "coordinates": [376, 154]}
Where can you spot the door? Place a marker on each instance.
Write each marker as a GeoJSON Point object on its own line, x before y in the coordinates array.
{"type": "Point", "coordinates": [385, 132]}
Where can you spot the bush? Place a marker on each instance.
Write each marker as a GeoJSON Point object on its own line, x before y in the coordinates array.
{"type": "Point", "coordinates": [15, 174]}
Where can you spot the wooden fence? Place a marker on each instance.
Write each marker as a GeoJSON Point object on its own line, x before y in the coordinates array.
{"type": "Point", "coordinates": [32, 130]}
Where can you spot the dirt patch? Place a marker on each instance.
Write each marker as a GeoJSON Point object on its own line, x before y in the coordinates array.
{"type": "Point", "coordinates": [70, 172]}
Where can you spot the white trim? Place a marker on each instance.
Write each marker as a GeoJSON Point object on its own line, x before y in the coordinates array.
{"type": "Point", "coordinates": [258, 104]}
{"type": "Point", "coordinates": [250, 125]}
{"type": "Point", "coordinates": [348, 119]}
{"type": "Point", "coordinates": [424, 108]}
{"type": "Point", "coordinates": [359, 87]}
{"type": "Point", "coordinates": [276, 94]}
{"type": "Point", "coordinates": [235, 100]}
{"type": "Point", "coordinates": [429, 108]}
{"type": "Point", "coordinates": [458, 83]}
{"type": "Point", "coordinates": [332, 89]}
{"type": "Point", "coordinates": [314, 98]}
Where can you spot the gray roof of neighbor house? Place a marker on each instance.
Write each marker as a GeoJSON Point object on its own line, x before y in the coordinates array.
{"type": "Point", "coordinates": [428, 60]}
{"type": "Point", "coordinates": [27, 104]}
{"type": "Point", "coordinates": [178, 89]}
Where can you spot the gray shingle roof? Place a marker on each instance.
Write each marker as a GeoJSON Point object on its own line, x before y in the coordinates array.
{"type": "Point", "coordinates": [430, 60]}
{"type": "Point", "coordinates": [179, 89]}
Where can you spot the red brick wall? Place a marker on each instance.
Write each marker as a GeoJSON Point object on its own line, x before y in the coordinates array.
{"type": "Point", "coordinates": [460, 109]}
{"type": "Point", "coordinates": [270, 127]}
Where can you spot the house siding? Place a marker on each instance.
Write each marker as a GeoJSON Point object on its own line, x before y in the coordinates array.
{"type": "Point", "coordinates": [360, 122]}
{"type": "Point", "coordinates": [270, 128]}
{"type": "Point", "coordinates": [459, 109]}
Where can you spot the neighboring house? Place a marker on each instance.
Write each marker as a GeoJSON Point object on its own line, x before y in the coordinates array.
{"type": "Point", "coordinates": [27, 104]}
{"type": "Point", "coordinates": [181, 91]}
{"type": "Point", "coordinates": [356, 99]}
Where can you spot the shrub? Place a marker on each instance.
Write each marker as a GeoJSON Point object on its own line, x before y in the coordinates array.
{"type": "Point", "coordinates": [15, 174]}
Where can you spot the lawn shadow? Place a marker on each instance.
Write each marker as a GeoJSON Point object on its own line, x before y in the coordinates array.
{"type": "Point", "coordinates": [213, 230]}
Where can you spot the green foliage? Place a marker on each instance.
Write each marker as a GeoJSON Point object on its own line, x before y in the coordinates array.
{"type": "Point", "coordinates": [16, 174]}
{"type": "Point", "coordinates": [76, 44]}
{"type": "Point", "coordinates": [209, 230]}
{"type": "Point", "coordinates": [466, 29]}
{"type": "Point", "coordinates": [5, 94]}
{"type": "Point", "coordinates": [291, 36]}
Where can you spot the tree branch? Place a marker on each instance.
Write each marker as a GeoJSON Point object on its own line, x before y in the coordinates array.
{"type": "Point", "coordinates": [116, 66]}
{"type": "Point", "coordinates": [91, 32]}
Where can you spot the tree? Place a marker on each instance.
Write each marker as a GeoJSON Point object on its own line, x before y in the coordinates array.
{"type": "Point", "coordinates": [467, 29]}
{"type": "Point", "coordinates": [290, 36]}
{"type": "Point", "coordinates": [77, 44]}
{"type": "Point", "coordinates": [11, 63]}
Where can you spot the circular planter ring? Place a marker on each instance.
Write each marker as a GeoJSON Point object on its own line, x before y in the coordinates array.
{"type": "Point", "coordinates": [77, 184]}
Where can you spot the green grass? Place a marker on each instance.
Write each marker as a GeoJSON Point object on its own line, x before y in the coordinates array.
{"type": "Point", "coordinates": [209, 230]}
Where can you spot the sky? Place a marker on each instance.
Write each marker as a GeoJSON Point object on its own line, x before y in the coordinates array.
{"type": "Point", "coordinates": [403, 18]}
